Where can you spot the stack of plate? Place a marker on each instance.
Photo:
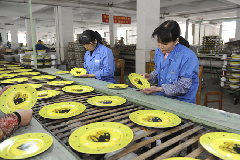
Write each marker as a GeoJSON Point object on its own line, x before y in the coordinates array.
{"type": "Point", "coordinates": [237, 57]}
{"type": "Point", "coordinates": [234, 80]}
{"type": "Point", "coordinates": [236, 74]}
{"type": "Point", "coordinates": [235, 86]}
{"type": "Point", "coordinates": [235, 63]}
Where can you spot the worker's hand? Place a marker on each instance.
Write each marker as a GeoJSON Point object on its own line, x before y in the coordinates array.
{"type": "Point", "coordinates": [87, 75]}
{"type": "Point", "coordinates": [26, 116]}
{"type": "Point", "coordinates": [146, 76]}
{"type": "Point", "coordinates": [4, 89]}
{"type": "Point", "coordinates": [152, 89]}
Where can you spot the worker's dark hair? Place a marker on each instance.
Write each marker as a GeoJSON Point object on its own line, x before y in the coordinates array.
{"type": "Point", "coordinates": [89, 36]}
{"type": "Point", "coordinates": [169, 31]}
{"type": "Point", "coordinates": [39, 40]}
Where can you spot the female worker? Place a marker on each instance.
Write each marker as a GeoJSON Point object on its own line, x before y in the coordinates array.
{"type": "Point", "coordinates": [176, 66]}
{"type": "Point", "coordinates": [98, 60]}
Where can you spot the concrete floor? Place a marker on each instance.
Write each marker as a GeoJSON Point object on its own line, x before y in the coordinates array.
{"type": "Point", "coordinates": [210, 83]}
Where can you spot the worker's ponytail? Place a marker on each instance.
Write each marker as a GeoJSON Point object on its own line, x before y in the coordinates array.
{"type": "Point", "coordinates": [89, 36]}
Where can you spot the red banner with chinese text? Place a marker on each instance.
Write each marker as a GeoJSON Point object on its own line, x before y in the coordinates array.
{"type": "Point", "coordinates": [116, 19]}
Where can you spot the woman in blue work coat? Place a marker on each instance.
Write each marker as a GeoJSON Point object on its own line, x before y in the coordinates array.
{"type": "Point", "coordinates": [98, 60]}
{"type": "Point", "coordinates": [176, 66]}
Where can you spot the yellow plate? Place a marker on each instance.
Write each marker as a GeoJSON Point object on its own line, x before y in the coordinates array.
{"type": "Point", "coordinates": [11, 65]}
{"type": "Point", "coordinates": [5, 72]}
{"type": "Point", "coordinates": [106, 101]}
{"type": "Point", "coordinates": [222, 144]}
{"type": "Point", "coordinates": [29, 73]}
{"type": "Point", "coordinates": [3, 76]}
{"type": "Point", "coordinates": [21, 96]}
{"type": "Point", "coordinates": [62, 110]}
{"type": "Point", "coordinates": [15, 80]}
{"type": "Point", "coordinates": [181, 158]}
{"type": "Point", "coordinates": [3, 62]}
{"type": "Point", "coordinates": [100, 137]}
{"type": "Point", "coordinates": [22, 70]}
{"type": "Point", "coordinates": [155, 118]}
{"type": "Point", "coordinates": [62, 72]}
{"type": "Point", "coordinates": [44, 77]}
{"type": "Point", "coordinates": [59, 83]}
{"type": "Point", "coordinates": [1, 69]}
{"type": "Point", "coordinates": [47, 94]}
{"type": "Point", "coordinates": [14, 67]}
{"type": "Point", "coordinates": [138, 81]}
{"type": "Point", "coordinates": [35, 85]}
{"type": "Point", "coordinates": [78, 89]}
{"type": "Point", "coordinates": [78, 71]}
{"type": "Point", "coordinates": [117, 86]}
{"type": "Point", "coordinates": [25, 145]}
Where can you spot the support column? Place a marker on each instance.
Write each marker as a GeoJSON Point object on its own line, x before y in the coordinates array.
{"type": "Point", "coordinates": [186, 33]}
{"type": "Point", "coordinates": [64, 30]}
{"type": "Point", "coordinates": [193, 33]}
{"type": "Point", "coordinates": [29, 34]}
{"type": "Point", "coordinates": [148, 13]}
{"type": "Point", "coordinates": [4, 35]}
{"type": "Point", "coordinates": [220, 31]}
{"type": "Point", "coordinates": [14, 36]}
{"type": "Point", "coordinates": [111, 27]}
{"type": "Point", "coordinates": [199, 37]}
{"type": "Point", "coordinates": [237, 35]}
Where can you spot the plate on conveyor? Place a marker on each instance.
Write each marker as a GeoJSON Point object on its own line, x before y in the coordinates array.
{"type": "Point", "coordinates": [155, 118]}
{"type": "Point", "coordinates": [5, 72]}
{"type": "Point", "coordinates": [3, 76]}
{"type": "Point", "coordinates": [34, 85]}
{"type": "Point", "coordinates": [14, 80]}
{"type": "Point", "coordinates": [22, 70]}
{"type": "Point", "coordinates": [29, 73]}
{"type": "Point", "coordinates": [62, 110]}
{"type": "Point", "coordinates": [78, 71]}
{"type": "Point", "coordinates": [59, 83]}
{"type": "Point", "coordinates": [100, 137]}
{"type": "Point", "coordinates": [3, 62]}
{"type": "Point", "coordinates": [1, 69]}
{"type": "Point", "coordinates": [106, 101]}
{"type": "Point", "coordinates": [44, 77]}
{"type": "Point", "coordinates": [21, 96]}
{"type": "Point", "coordinates": [11, 65]}
{"type": "Point", "coordinates": [62, 72]}
{"type": "Point", "coordinates": [117, 86]}
{"type": "Point", "coordinates": [78, 89]}
{"type": "Point", "coordinates": [14, 67]}
{"type": "Point", "coordinates": [138, 81]}
{"type": "Point", "coordinates": [47, 94]}
{"type": "Point", "coordinates": [222, 144]}
{"type": "Point", "coordinates": [25, 145]}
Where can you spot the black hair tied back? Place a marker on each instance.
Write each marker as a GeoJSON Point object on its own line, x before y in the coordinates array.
{"type": "Point", "coordinates": [89, 36]}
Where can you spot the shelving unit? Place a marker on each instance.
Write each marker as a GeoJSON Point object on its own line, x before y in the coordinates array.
{"type": "Point", "coordinates": [211, 45]}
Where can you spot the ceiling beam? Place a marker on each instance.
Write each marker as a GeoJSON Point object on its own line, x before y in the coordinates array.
{"type": "Point", "coordinates": [235, 1]}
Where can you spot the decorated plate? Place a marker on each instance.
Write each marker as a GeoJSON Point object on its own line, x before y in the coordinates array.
{"type": "Point", "coordinates": [181, 158]}
{"type": "Point", "coordinates": [117, 86]}
{"type": "Point", "coordinates": [11, 65]}
{"type": "Point", "coordinates": [5, 72]}
{"type": "Point", "coordinates": [1, 69]}
{"type": "Point", "coordinates": [34, 85]}
{"type": "Point", "coordinates": [25, 145]}
{"type": "Point", "coordinates": [78, 89]}
{"type": "Point", "coordinates": [78, 71]}
{"type": "Point", "coordinates": [3, 76]}
{"type": "Point", "coordinates": [22, 70]}
{"type": "Point", "coordinates": [100, 137]}
{"type": "Point", "coordinates": [3, 62]}
{"type": "Point", "coordinates": [155, 118]}
{"type": "Point", "coordinates": [62, 110]}
{"type": "Point", "coordinates": [47, 94]}
{"type": "Point", "coordinates": [21, 96]}
{"type": "Point", "coordinates": [138, 81]}
{"type": "Point", "coordinates": [29, 73]}
{"type": "Point", "coordinates": [59, 83]}
{"type": "Point", "coordinates": [44, 77]}
{"type": "Point", "coordinates": [222, 144]}
{"type": "Point", "coordinates": [106, 101]}
{"type": "Point", "coordinates": [62, 72]}
{"type": "Point", "coordinates": [15, 80]}
{"type": "Point", "coordinates": [14, 67]}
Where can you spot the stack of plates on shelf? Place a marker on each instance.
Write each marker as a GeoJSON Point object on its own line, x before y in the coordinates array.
{"type": "Point", "coordinates": [235, 63]}
{"type": "Point", "coordinates": [39, 63]}
{"type": "Point", "coordinates": [237, 57]}
{"type": "Point", "coordinates": [47, 57]}
{"type": "Point", "coordinates": [47, 63]}
{"type": "Point", "coordinates": [234, 80]}
{"type": "Point", "coordinates": [236, 74]}
{"type": "Point", "coordinates": [234, 86]}
{"type": "Point", "coordinates": [235, 69]}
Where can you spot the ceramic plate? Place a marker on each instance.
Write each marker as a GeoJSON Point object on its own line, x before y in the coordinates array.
{"type": "Point", "coordinates": [59, 83]}
{"type": "Point", "coordinates": [117, 86]}
{"type": "Point", "coordinates": [25, 145]}
{"type": "Point", "coordinates": [21, 96]}
{"type": "Point", "coordinates": [138, 81]}
{"type": "Point", "coordinates": [44, 77]}
{"type": "Point", "coordinates": [11, 65]}
{"type": "Point", "coordinates": [155, 118]}
{"type": "Point", "coordinates": [62, 110]}
{"type": "Point", "coordinates": [62, 72]}
{"type": "Point", "coordinates": [15, 80]}
{"type": "Point", "coordinates": [29, 73]}
{"type": "Point", "coordinates": [5, 72]}
{"type": "Point", "coordinates": [78, 71]}
{"type": "Point", "coordinates": [1, 69]}
{"type": "Point", "coordinates": [222, 144]}
{"type": "Point", "coordinates": [78, 89]}
{"type": "Point", "coordinates": [106, 101]}
{"type": "Point", "coordinates": [22, 70]}
{"type": "Point", "coordinates": [47, 94]}
{"type": "Point", "coordinates": [181, 158]}
{"type": "Point", "coordinates": [3, 62]}
{"type": "Point", "coordinates": [14, 67]}
{"type": "Point", "coordinates": [3, 76]}
{"type": "Point", "coordinates": [101, 137]}
{"type": "Point", "coordinates": [34, 85]}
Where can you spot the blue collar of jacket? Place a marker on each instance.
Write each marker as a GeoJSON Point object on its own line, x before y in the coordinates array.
{"type": "Point", "coordinates": [174, 53]}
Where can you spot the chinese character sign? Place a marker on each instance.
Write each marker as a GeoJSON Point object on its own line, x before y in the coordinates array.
{"type": "Point", "coordinates": [116, 19]}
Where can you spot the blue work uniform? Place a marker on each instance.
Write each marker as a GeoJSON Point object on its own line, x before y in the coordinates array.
{"type": "Point", "coordinates": [41, 47]}
{"type": "Point", "coordinates": [181, 62]}
{"type": "Point", "coordinates": [101, 63]}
